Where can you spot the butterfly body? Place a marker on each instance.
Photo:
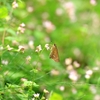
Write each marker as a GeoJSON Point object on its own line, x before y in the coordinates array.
{"type": "Point", "coordinates": [54, 53]}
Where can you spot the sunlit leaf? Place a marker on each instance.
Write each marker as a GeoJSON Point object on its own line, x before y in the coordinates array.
{"type": "Point", "coordinates": [55, 96]}
{"type": "Point", "coordinates": [3, 12]}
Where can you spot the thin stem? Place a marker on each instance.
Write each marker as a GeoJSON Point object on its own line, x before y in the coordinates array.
{"type": "Point", "coordinates": [3, 37]}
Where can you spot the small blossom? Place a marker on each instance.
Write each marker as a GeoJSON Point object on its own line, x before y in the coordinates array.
{"type": "Point", "coordinates": [70, 9]}
{"type": "Point", "coordinates": [1, 48]}
{"type": "Point", "coordinates": [14, 42]}
{"type": "Point", "coordinates": [33, 98]}
{"type": "Point", "coordinates": [36, 95]}
{"type": "Point", "coordinates": [97, 97]}
{"type": "Point", "coordinates": [30, 9]}
{"type": "Point", "coordinates": [93, 89]}
{"type": "Point", "coordinates": [28, 58]}
{"type": "Point", "coordinates": [93, 2]}
{"type": "Point", "coordinates": [47, 46]}
{"type": "Point", "coordinates": [49, 26]}
{"type": "Point", "coordinates": [87, 76]}
{"type": "Point", "coordinates": [68, 61]}
{"type": "Point", "coordinates": [21, 28]}
{"type": "Point", "coordinates": [62, 88]}
{"type": "Point", "coordinates": [5, 62]}
{"type": "Point", "coordinates": [22, 25]}
{"type": "Point", "coordinates": [23, 79]}
{"type": "Point", "coordinates": [76, 64]}
{"type": "Point", "coordinates": [14, 4]}
{"type": "Point", "coordinates": [73, 75]}
{"type": "Point", "coordinates": [96, 68]}
{"type": "Point", "coordinates": [21, 48]}
{"type": "Point", "coordinates": [45, 91]}
{"type": "Point", "coordinates": [54, 72]}
{"type": "Point", "coordinates": [31, 44]}
{"type": "Point", "coordinates": [59, 11]}
{"type": "Point", "coordinates": [38, 48]}
{"type": "Point", "coordinates": [69, 68]}
{"type": "Point", "coordinates": [89, 72]}
{"type": "Point", "coordinates": [9, 48]}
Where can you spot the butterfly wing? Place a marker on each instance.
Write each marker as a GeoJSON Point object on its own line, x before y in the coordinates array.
{"type": "Point", "coordinates": [54, 53]}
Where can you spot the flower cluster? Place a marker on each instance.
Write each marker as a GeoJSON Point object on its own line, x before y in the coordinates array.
{"type": "Point", "coordinates": [39, 47]}
{"type": "Point", "coordinates": [36, 96]}
{"type": "Point", "coordinates": [73, 75]}
{"type": "Point", "coordinates": [93, 2]}
{"type": "Point", "coordinates": [70, 10]}
{"type": "Point", "coordinates": [88, 74]}
{"type": "Point", "coordinates": [49, 26]}
{"type": "Point", "coordinates": [21, 28]}
{"type": "Point", "coordinates": [14, 4]}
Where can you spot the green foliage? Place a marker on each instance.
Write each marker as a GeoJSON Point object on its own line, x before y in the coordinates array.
{"type": "Point", "coordinates": [3, 12]}
{"type": "Point", "coordinates": [55, 96]}
{"type": "Point", "coordinates": [28, 29]}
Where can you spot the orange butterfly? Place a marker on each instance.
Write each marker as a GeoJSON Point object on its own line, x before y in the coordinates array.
{"type": "Point", "coordinates": [54, 53]}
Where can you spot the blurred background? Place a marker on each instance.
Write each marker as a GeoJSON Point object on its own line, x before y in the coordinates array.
{"type": "Point", "coordinates": [29, 28]}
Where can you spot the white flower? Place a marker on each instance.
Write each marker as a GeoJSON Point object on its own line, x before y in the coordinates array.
{"type": "Point", "coordinates": [87, 76]}
{"type": "Point", "coordinates": [47, 46]}
{"type": "Point", "coordinates": [9, 48]}
{"type": "Point", "coordinates": [31, 44]}
{"type": "Point", "coordinates": [70, 9]}
{"type": "Point", "coordinates": [14, 4]}
{"type": "Point", "coordinates": [23, 79]}
{"type": "Point", "coordinates": [89, 72]}
{"type": "Point", "coordinates": [5, 62]}
{"type": "Point", "coordinates": [68, 61]}
{"type": "Point", "coordinates": [69, 68]}
{"type": "Point", "coordinates": [38, 48]}
{"type": "Point", "coordinates": [21, 28]}
{"type": "Point", "coordinates": [62, 88]}
{"type": "Point", "coordinates": [33, 98]}
{"type": "Point", "coordinates": [49, 26]}
{"type": "Point", "coordinates": [55, 72]}
{"type": "Point", "coordinates": [97, 97]}
{"type": "Point", "coordinates": [93, 89]}
{"type": "Point", "coordinates": [1, 48]}
{"type": "Point", "coordinates": [59, 11]}
{"type": "Point", "coordinates": [22, 25]}
{"type": "Point", "coordinates": [36, 95]}
{"type": "Point", "coordinates": [28, 58]}
{"type": "Point", "coordinates": [93, 2]}
{"type": "Point", "coordinates": [76, 64]}
{"type": "Point", "coordinates": [45, 91]}
{"type": "Point", "coordinates": [21, 48]}
{"type": "Point", "coordinates": [30, 9]}
{"type": "Point", "coordinates": [73, 75]}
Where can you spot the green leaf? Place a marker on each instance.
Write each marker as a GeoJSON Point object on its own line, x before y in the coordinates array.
{"type": "Point", "coordinates": [1, 29]}
{"type": "Point", "coordinates": [55, 96]}
{"type": "Point", "coordinates": [12, 32]}
{"type": "Point", "coordinates": [3, 12]}
{"type": "Point", "coordinates": [10, 38]}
